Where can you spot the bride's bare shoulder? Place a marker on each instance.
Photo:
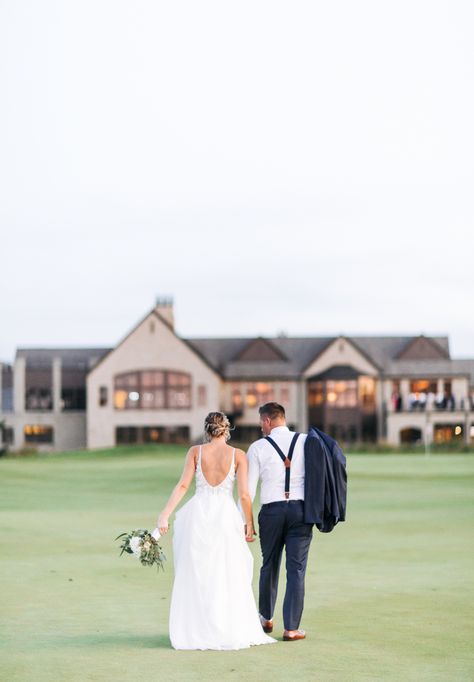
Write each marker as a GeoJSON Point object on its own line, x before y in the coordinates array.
{"type": "Point", "coordinates": [192, 453]}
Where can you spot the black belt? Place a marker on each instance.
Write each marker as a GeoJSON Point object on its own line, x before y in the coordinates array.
{"type": "Point", "coordinates": [286, 459]}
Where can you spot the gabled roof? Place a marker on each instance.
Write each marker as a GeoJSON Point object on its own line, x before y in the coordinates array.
{"type": "Point", "coordinates": [422, 348]}
{"type": "Point", "coordinates": [383, 349]}
{"type": "Point", "coordinates": [303, 350]}
{"type": "Point", "coordinates": [278, 357]}
{"type": "Point", "coordinates": [155, 312]}
{"type": "Point", "coordinates": [351, 341]}
{"type": "Point", "coordinates": [226, 356]}
{"type": "Point", "coordinates": [223, 353]}
{"type": "Point", "coordinates": [260, 350]}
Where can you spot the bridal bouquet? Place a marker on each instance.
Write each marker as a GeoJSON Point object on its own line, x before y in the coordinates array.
{"type": "Point", "coordinates": [143, 545]}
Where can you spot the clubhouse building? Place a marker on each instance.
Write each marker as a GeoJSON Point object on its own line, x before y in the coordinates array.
{"type": "Point", "coordinates": [155, 386]}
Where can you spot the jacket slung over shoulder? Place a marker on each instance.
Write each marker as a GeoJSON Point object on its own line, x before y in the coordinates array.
{"type": "Point", "coordinates": [325, 484]}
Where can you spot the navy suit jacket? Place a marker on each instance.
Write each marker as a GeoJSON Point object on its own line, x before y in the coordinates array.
{"type": "Point", "coordinates": [325, 482]}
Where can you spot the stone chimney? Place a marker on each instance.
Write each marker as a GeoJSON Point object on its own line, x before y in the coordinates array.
{"type": "Point", "coordinates": [164, 307]}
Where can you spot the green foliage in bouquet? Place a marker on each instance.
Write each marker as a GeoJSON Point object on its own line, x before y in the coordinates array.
{"type": "Point", "coordinates": [144, 545]}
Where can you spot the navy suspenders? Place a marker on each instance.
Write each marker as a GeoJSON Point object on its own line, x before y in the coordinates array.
{"type": "Point", "coordinates": [286, 460]}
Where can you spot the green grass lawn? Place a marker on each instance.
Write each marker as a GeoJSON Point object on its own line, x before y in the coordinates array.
{"type": "Point", "coordinates": [389, 593]}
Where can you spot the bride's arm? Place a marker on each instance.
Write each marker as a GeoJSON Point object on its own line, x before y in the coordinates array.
{"type": "Point", "coordinates": [244, 495]}
{"type": "Point", "coordinates": [179, 491]}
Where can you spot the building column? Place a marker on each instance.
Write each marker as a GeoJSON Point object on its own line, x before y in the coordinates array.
{"type": "Point", "coordinates": [387, 390]}
{"type": "Point", "coordinates": [19, 395]}
{"type": "Point", "coordinates": [19, 386]}
{"type": "Point", "coordinates": [56, 384]}
{"type": "Point", "coordinates": [405, 392]}
{"type": "Point", "coordinates": [428, 431]}
{"type": "Point", "coordinates": [301, 388]}
{"type": "Point", "coordinates": [381, 408]}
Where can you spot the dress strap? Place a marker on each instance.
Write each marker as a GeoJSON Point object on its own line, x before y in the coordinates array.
{"type": "Point", "coordinates": [199, 457]}
{"type": "Point", "coordinates": [232, 465]}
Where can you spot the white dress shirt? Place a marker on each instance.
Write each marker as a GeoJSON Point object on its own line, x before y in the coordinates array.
{"type": "Point", "coordinates": [266, 465]}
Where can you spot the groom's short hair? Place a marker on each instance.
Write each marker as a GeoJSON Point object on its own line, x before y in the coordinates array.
{"type": "Point", "coordinates": [272, 410]}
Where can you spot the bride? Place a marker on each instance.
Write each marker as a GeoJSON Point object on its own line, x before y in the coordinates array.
{"type": "Point", "coordinates": [212, 603]}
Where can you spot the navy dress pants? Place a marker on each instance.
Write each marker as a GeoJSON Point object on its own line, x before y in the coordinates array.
{"type": "Point", "coordinates": [281, 525]}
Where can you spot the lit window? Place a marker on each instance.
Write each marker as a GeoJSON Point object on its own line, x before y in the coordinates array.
{"type": "Point", "coordinates": [154, 435]}
{"type": "Point", "coordinates": [315, 393]}
{"type": "Point", "coordinates": [265, 393]}
{"type": "Point", "coordinates": [259, 393]}
{"type": "Point", "coordinates": [153, 378]}
{"type": "Point", "coordinates": [342, 393]}
{"type": "Point", "coordinates": [152, 390]}
{"type": "Point", "coordinates": [236, 398]}
{"type": "Point", "coordinates": [251, 397]}
{"type": "Point", "coordinates": [423, 386]}
{"type": "Point", "coordinates": [178, 389]}
{"type": "Point", "coordinates": [38, 433]}
{"type": "Point", "coordinates": [444, 433]}
{"type": "Point", "coordinates": [367, 391]}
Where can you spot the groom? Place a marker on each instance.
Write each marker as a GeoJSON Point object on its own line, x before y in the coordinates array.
{"type": "Point", "coordinates": [277, 460]}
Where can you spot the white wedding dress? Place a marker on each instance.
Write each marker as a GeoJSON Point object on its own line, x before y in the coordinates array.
{"type": "Point", "coordinates": [212, 603]}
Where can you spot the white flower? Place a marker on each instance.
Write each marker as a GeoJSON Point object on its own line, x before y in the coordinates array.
{"type": "Point", "coordinates": [146, 545]}
{"type": "Point", "coordinates": [135, 545]}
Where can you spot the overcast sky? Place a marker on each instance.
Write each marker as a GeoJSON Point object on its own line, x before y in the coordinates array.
{"type": "Point", "coordinates": [298, 167]}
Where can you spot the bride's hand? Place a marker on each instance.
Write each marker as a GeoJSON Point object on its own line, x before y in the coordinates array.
{"type": "Point", "coordinates": [162, 524]}
{"type": "Point", "coordinates": [249, 532]}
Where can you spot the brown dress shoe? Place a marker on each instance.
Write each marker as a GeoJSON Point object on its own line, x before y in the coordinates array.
{"type": "Point", "coordinates": [267, 625]}
{"type": "Point", "coordinates": [299, 634]}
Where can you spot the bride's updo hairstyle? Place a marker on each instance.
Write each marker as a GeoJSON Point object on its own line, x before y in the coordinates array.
{"type": "Point", "coordinates": [216, 424]}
